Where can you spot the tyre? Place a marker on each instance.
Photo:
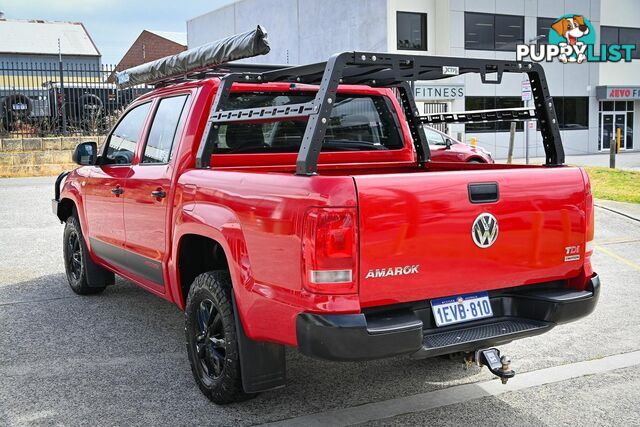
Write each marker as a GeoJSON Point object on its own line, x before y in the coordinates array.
{"type": "Point", "coordinates": [84, 276]}
{"type": "Point", "coordinates": [212, 343]}
{"type": "Point", "coordinates": [17, 106]}
{"type": "Point", "coordinates": [90, 112]}
{"type": "Point", "coordinates": [475, 161]}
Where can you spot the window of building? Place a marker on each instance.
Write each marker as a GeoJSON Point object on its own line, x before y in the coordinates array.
{"type": "Point", "coordinates": [164, 129]}
{"type": "Point", "coordinates": [614, 114]}
{"type": "Point", "coordinates": [543, 28]}
{"type": "Point", "coordinates": [621, 35]}
{"type": "Point", "coordinates": [493, 32]}
{"type": "Point", "coordinates": [411, 31]}
{"type": "Point", "coordinates": [572, 112]}
{"type": "Point", "coordinates": [122, 141]}
{"type": "Point", "coordinates": [491, 103]}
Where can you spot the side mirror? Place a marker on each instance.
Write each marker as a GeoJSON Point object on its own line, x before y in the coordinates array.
{"type": "Point", "coordinates": [86, 153]}
{"type": "Point", "coordinates": [448, 143]}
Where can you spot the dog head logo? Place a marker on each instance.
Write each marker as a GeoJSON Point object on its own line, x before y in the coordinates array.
{"type": "Point", "coordinates": [572, 33]}
{"type": "Point", "coordinates": [571, 28]}
{"type": "Point", "coordinates": [572, 40]}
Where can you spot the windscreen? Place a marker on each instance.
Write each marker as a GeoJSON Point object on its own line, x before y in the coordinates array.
{"type": "Point", "coordinates": [357, 123]}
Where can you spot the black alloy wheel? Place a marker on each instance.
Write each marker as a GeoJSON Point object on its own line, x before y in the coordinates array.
{"type": "Point", "coordinates": [74, 255]}
{"type": "Point", "coordinates": [210, 341]}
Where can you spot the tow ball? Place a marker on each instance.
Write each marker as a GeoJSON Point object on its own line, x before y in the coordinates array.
{"type": "Point", "coordinates": [499, 366]}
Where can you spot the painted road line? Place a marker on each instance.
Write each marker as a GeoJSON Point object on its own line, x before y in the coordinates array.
{"type": "Point", "coordinates": [618, 257]}
{"type": "Point", "coordinates": [461, 393]}
{"type": "Point", "coordinates": [617, 241]}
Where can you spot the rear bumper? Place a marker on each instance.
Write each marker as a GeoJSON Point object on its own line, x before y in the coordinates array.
{"type": "Point", "coordinates": [517, 314]}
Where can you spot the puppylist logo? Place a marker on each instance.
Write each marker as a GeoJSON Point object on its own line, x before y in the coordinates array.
{"type": "Point", "coordinates": [572, 39]}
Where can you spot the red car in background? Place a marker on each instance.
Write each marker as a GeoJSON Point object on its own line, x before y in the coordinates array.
{"type": "Point", "coordinates": [445, 148]}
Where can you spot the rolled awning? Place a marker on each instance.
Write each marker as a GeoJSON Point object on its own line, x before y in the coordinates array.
{"type": "Point", "coordinates": [240, 46]}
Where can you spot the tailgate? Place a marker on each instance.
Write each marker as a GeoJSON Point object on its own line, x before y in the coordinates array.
{"type": "Point", "coordinates": [416, 238]}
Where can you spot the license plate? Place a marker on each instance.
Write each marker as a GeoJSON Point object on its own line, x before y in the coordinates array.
{"type": "Point", "coordinates": [461, 308]}
{"type": "Point", "coordinates": [19, 107]}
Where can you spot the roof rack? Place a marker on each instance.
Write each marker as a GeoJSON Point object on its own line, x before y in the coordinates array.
{"type": "Point", "coordinates": [219, 71]}
{"type": "Point", "coordinates": [367, 68]}
{"type": "Point", "coordinates": [377, 70]}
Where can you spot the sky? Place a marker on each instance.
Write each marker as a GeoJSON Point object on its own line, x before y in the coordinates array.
{"type": "Point", "coordinates": [113, 24]}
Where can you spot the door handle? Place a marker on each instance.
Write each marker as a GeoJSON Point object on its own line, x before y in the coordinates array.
{"type": "Point", "coordinates": [158, 194]}
{"type": "Point", "coordinates": [117, 190]}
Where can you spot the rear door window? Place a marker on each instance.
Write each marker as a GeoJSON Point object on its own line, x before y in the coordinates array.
{"type": "Point", "coordinates": [164, 129]}
{"type": "Point", "coordinates": [357, 123]}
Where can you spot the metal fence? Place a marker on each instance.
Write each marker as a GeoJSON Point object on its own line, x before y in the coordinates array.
{"type": "Point", "coordinates": [48, 99]}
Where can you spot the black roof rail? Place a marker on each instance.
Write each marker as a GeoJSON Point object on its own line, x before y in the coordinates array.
{"type": "Point", "coordinates": [220, 71]}
{"type": "Point", "coordinates": [377, 70]}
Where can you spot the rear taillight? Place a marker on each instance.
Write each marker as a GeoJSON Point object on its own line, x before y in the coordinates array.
{"type": "Point", "coordinates": [329, 245]}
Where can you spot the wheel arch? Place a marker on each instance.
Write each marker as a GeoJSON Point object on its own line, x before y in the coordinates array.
{"type": "Point", "coordinates": [197, 253]}
{"type": "Point", "coordinates": [217, 230]}
{"type": "Point", "coordinates": [474, 158]}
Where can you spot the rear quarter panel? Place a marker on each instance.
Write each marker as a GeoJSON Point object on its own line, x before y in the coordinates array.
{"type": "Point", "coordinates": [258, 219]}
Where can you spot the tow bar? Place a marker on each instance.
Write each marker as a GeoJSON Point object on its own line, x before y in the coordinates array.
{"type": "Point", "coordinates": [490, 357]}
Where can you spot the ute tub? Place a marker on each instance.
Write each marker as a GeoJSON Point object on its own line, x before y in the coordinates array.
{"type": "Point", "coordinates": [425, 219]}
{"type": "Point", "coordinates": [517, 314]}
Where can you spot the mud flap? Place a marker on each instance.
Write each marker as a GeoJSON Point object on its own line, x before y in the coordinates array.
{"type": "Point", "coordinates": [262, 364]}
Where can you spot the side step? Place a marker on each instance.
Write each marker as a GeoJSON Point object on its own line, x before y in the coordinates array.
{"type": "Point", "coordinates": [470, 338]}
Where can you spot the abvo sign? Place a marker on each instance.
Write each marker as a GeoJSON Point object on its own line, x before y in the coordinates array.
{"type": "Point", "coordinates": [624, 93]}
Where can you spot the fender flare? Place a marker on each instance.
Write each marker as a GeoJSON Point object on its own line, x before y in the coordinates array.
{"type": "Point", "coordinates": [263, 364]}
{"type": "Point", "coordinates": [224, 230]}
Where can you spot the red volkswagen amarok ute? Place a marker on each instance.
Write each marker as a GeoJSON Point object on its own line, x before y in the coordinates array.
{"type": "Point", "coordinates": [298, 206]}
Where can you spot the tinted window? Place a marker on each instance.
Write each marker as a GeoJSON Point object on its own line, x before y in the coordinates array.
{"type": "Point", "coordinates": [543, 27]}
{"type": "Point", "coordinates": [572, 112]}
{"type": "Point", "coordinates": [509, 32]}
{"type": "Point", "coordinates": [608, 35]}
{"type": "Point", "coordinates": [163, 130]}
{"type": "Point", "coordinates": [630, 36]}
{"type": "Point", "coordinates": [479, 31]}
{"type": "Point", "coordinates": [357, 123]}
{"type": "Point", "coordinates": [621, 35]}
{"type": "Point", "coordinates": [123, 139]}
{"type": "Point", "coordinates": [412, 31]}
{"type": "Point", "coordinates": [490, 103]}
{"type": "Point", "coordinates": [492, 32]}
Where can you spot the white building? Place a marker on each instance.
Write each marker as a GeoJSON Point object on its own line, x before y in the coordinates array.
{"type": "Point", "coordinates": [303, 31]}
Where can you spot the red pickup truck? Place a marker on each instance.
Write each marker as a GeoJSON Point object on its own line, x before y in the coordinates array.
{"type": "Point", "coordinates": [297, 206]}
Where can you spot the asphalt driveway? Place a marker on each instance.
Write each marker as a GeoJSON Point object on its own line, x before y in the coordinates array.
{"type": "Point", "coordinates": [119, 358]}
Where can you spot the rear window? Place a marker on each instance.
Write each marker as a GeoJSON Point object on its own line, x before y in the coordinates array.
{"type": "Point", "coordinates": [358, 123]}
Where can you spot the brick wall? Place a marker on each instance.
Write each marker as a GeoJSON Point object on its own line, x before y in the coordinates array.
{"type": "Point", "coordinates": [39, 156]}
{"type": "Point", "coordinates": [148, 47]}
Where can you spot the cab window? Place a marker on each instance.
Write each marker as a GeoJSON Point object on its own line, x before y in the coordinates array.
{"type": "Point", "coordinates": [125, 136]}
{"type": "Point", "coordinates": [357, 123]}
